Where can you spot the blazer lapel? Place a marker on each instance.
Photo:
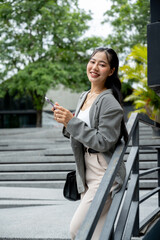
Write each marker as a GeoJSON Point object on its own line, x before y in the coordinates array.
{"type": "Point", "coordinates": [80, 103]}
{"type": "Point", "coordinates": [93, 110]}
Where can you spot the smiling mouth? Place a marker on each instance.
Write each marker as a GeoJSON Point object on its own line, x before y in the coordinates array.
{"type": "Point", "coordinates": [93, 74]}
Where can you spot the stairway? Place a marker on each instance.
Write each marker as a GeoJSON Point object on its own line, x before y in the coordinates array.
{"type": "Point", "coordinates": [34, 157]}
{"type": "Point", "coordinates": [41, 157]}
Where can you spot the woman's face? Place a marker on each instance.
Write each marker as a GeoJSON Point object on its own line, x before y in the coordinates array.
{"type": "Point", "coordinates": [98, 69]}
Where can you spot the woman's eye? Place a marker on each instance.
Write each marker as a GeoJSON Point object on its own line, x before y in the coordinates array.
{"type": "Point", "coordinates": [102, 65]}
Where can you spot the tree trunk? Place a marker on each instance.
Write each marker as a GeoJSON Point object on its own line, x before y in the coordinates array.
{"type": "Point", "coordinates": [39, 118]}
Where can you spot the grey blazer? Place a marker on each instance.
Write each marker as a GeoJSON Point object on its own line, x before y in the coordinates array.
{"type": "Point", "coordinates": [105, 118]}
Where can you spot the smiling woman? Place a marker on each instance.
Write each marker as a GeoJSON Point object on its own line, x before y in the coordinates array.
{"type": "Point", "coordinates": [98, 69]}
{"type": "Point", "coordinates": [94, 131]}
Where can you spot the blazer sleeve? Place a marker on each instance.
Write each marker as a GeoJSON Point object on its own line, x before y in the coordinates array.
{"type": "Point", "coordinates": [65, 133]}
{"type": "Point", "coordinates": [108, 128]}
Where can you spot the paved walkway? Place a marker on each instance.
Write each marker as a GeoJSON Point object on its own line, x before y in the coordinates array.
{"type": "Point", "coordinates": [34, 213]}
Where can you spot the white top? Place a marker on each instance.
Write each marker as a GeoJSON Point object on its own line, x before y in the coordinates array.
{"type": "Point", "coordinates": [84, 116]}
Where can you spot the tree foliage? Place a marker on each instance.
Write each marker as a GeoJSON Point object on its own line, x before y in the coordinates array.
{"type": "Point", "coordinates": [41, 46]}
{"type": "Point", "coordinates": [129, 19]}
{"type": "Point", "coordinates": [145, 100]}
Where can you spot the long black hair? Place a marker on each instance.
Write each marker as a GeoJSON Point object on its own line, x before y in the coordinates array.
{"type": "Point", "coordinates": [113, 82]}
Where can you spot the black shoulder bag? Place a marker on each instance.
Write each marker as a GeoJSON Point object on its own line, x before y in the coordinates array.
{"type": "Point", "coordinates": [70, 190]}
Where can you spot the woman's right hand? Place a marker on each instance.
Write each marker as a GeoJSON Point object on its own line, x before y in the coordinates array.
{"type": "Point", "coordinates": [61, 115]}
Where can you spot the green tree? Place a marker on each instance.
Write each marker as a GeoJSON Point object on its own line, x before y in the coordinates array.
{"type": "Point", "coordinates": [145, 100]}
{"type": "Point", "coordinates": [41, 46]}
{"type": "Point", "coordinates": [129, 21]}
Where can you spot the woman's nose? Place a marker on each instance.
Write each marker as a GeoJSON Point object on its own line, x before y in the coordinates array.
{"type": "Point", "coordinates": [95, 66]}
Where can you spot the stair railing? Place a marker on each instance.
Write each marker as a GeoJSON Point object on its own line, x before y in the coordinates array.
{"type": "Point", "coordinates": [122, 221]}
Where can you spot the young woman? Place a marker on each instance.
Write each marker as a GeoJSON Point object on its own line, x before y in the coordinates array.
{"type": "Point", "coordinates": [94, 131]}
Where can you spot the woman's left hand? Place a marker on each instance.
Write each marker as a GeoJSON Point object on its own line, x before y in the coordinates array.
{"type": "Point", "coordinates": [62, 115]}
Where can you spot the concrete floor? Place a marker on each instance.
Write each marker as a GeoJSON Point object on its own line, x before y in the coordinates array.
{"type": "Point", "coordinates": [36, 213]}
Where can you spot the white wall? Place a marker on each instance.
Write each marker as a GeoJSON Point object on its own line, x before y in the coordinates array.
{"type": "Point", "coordinates": [64, 97]}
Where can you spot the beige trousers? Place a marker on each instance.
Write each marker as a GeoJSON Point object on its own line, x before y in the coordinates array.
{"type": "Point", "coordinates": [95, 169]}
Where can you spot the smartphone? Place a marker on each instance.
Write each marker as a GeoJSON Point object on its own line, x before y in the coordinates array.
{"type": "Point", "coordinates": [47, 99]}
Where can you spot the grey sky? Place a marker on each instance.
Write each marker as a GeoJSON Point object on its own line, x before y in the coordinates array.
{"type": "Point", "coordinates": [98, 7]}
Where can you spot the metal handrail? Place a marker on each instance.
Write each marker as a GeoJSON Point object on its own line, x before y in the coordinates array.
{"type": "Point", "coordinates": [130, 208]}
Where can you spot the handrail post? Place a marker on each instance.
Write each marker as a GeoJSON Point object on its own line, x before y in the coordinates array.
{"type": "Point", "coordinates": [135, 142]}
{"type": "Point", "coordinates": [158, 158]}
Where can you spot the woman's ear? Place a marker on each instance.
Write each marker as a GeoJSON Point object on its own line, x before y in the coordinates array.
{"type": "Point", "coordinates": [112, 71]}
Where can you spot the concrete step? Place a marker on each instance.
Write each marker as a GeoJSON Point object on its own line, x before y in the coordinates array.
{"type": "Point", "coordinates": [14, 176]}
{"type": "Point", "coordinates": [44, 169]}
{"type": "Point", "coordinates": [21, 148]}
{"type": "Point", "coordinates": [144, 156]}
{"type": "Point", "coordinates": [147, 141]}
{"type": "Point", "coordinates": [153, 175]}
{"type": "Point", "coordinates": [147, 165]}
{"type": "Point", "coordinates": [56, 184]}
{"type": "Point", "coordinates": [37, 167]}
{"type": "Point", "coordinates": [11, 161]}
{"type": "Point", "coordinates": [144, 184]}
{"type": "Point", "coordinates": [30, 141]}
{"type": "Point", "coordinates": [148, 184]}
{"type": "Point", "coordinates": [57, 151]}
{"type": "Point", "coordinates": [50, 168]}
{"type": "Point", "coordinates": [16, 148]}
{"type": "Point", "coordinates": [136, 238]}
{"type": "Point", "coordinates": [62, 156]}
{"type": "Point", "coordinates": [21, 238]}
{"type": "Point", "coordinates": [48, 155]}
{"type": "Point", "coordinates": [142, 151]}
{"type": "Point", "coordinates": [20, 154]}
{"type": "Point", "coordinates": [53, 165]}
{"type": "Point", "coordinates": [31, 133]}
{"type": "Point", "coordinates": [37, 159]}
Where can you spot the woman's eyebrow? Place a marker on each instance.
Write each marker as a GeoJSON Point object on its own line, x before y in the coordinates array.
{"type": "Point", "coordinates": [101, 61]}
